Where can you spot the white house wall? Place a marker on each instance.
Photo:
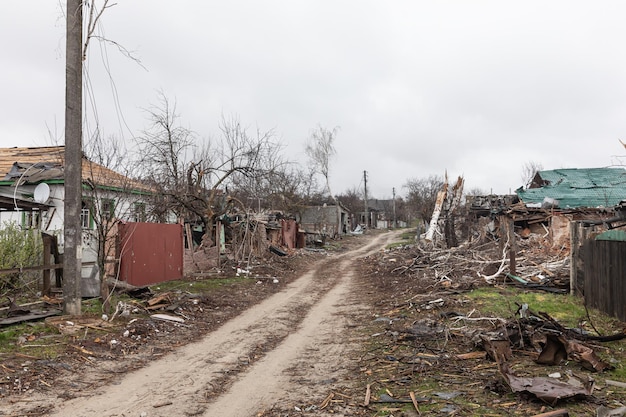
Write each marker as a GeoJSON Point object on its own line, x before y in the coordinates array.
{"type": "Point", "coordinates": [53, 219]}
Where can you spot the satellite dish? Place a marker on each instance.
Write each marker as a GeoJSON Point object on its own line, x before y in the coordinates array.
{"type": "Point", "coordinates": [42, 193]}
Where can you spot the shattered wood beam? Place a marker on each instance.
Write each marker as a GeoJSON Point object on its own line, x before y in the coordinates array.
{"type": "Point", "coordinates": [441, 198]}
{"type": "Point", "coordinates": [490, 278]}
{"type": "Point", "coordinates": [414, 400]}
{"type": "Point", "coordinates": [368, 395]}
{"type": "Point", "coordinates": [457, 194]}
{"type": "Point", "coordinates": [510, 236]}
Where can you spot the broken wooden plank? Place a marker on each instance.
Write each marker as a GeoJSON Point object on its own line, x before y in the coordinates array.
{"type": "Point", "coordinates": [82, 350]}
{"type": "Point", "coordinates": [167, 317]}
{"type": "Point", "coordinates": [327, 400]}
{"type": "Point", "coordinates": [412, 395]}
{"type": "Point", "coordinates": [472, 355]}
{"type": "Point", "coordinates": [556, 413]}
{"type": "Point", "coordinates": [29, 317]}
{"type": "Point", "coordinates": [368, 395]}
{"type": "Point", "coordinates": [160, 299]}
{"type": "Point", "coordinates": [615, 383]}
{"type": "Point", "coordinates": [23, 305]}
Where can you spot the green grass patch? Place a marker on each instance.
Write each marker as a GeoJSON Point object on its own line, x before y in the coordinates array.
{"type": "Point", "coordinates": [409, 234]}
{"type": "Point", "coordinates": [568, 310]}
{"type": "Point", "coordinates": [333, 246]}
{"type": "Point", "coordinates": [406, 238]}
{"type": "Point", "coordinates": [395, 245]}
{"type": "Point", "coordinates": [33, 339]}
{"type": "Point", "coordinates": [94, 305]}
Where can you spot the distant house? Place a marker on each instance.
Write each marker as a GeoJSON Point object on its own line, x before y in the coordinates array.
{"type": "Point", "coordinates": [576, 188]}
{"type": "Point", "coordinates": [380, 214]}
{"type": "Point", "coordinates": [325, 220]}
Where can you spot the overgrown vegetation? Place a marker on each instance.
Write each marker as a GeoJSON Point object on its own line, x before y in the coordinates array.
{"type": "Point", "coordinates": [568, 310]}
{"type": "Point", "coordinates": [18, 249]}
{"type": "Point", "coordinates": [406, 238]}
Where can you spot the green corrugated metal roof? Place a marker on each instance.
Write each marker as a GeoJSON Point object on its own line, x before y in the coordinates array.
{"type": "Point", "coordinates": [615, 235]}
{"type": "Point", "coordinates": [579, 187]}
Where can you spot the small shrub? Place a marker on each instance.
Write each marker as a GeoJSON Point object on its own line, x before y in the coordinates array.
{"type": "Point", "coordinates": [18, 249]}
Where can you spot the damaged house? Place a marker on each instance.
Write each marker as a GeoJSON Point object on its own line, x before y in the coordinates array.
{"type": "Point", "coordinates": [380, 215]}
{"type": "Point", "coordinates": [575, 188]}
{"type": "Point", "coordinates": [557, 197]}
{"type": "Point", "coordinates": [580, 213]}
{"type": "Point", "coordinates": [324, 221]}
{"type": "Point", "coordinates": [551, 202]}
{"type": "Point", "coordinates": [32, 192]}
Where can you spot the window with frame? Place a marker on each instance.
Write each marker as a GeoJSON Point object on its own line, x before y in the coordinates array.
{"type": "Point", "coordinates": [107, 208]}
{"type": "Point", "coordinates": [31, 219]}
{"type": "Point", "coordinates": [139, 212]}
{"type": "Point", "coordinates": [86, 220]}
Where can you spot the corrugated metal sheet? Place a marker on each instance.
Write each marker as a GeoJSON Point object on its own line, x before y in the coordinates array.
{"type": "Point", "coordinates": [604, 266]}
{"type": "Point", "coordinates": [614, 235]}
{"type": "Point", "coordinates": [150, 252]}
{"type": "Point", "coordinates": [577, 188]}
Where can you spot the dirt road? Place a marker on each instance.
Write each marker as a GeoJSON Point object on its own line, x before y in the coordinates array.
{"type": "Point", "coordinates": [285, 353]}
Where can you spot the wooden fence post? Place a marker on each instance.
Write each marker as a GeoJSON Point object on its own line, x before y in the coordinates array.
{"type": "Point", "coordinates": [574, 254]}
{"type": "Point", "coordinates": [47, 250]}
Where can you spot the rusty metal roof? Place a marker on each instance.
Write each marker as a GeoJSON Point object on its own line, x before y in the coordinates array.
{"type": "Point", "coordinates": [577, 187]}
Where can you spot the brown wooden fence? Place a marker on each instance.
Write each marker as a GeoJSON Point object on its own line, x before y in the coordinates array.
{"type": "Point", "coordinates": [604, 266]}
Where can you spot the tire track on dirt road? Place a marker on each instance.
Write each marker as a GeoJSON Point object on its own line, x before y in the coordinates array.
{"type": "Point", "coordinates": [226, 374]}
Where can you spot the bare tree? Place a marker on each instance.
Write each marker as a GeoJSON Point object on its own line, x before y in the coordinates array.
{"type": "Point", "coordinates": [352, 198]}
{"type": "Point", "coordinates": [422, 195]}
{"type": "Point", "coordinates": [320, 149]}
{"type": "Point", "coordinates": [110, 195]}
{"type": "Point", "coordinates": [285, 189]}
{"type": "Point", "coordinates": [165, 149]}
{"type": "Point", "coordinates": [252, 164]}
{"type": "Point", "coordinates": [192, 178]}
{"type": "Point", "coordinates": [476, 191]}
{"type": "Point", "coordinates": [529, 170]}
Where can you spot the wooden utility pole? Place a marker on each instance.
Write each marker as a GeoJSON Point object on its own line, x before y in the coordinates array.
{"type": "Point", "coordinates": [394, 207]}
{"type": "Point", "coordinates": [366, 216]}
{"type": "Point", "coordinates": [72, 232]}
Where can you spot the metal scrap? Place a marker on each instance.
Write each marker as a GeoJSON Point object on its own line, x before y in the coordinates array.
{"type": "Point", "coordinates": [549, 390]}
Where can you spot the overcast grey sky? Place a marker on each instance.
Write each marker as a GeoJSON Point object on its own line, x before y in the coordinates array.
{"type": "Point", "coordinates": [477, 88]}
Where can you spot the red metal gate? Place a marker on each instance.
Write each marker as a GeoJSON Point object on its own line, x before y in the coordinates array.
{"type": "Point", "coordinates": [150, 253]}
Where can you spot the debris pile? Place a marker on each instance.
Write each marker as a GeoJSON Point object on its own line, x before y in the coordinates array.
{"type": "Point", "coordinates": [427, 332]}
